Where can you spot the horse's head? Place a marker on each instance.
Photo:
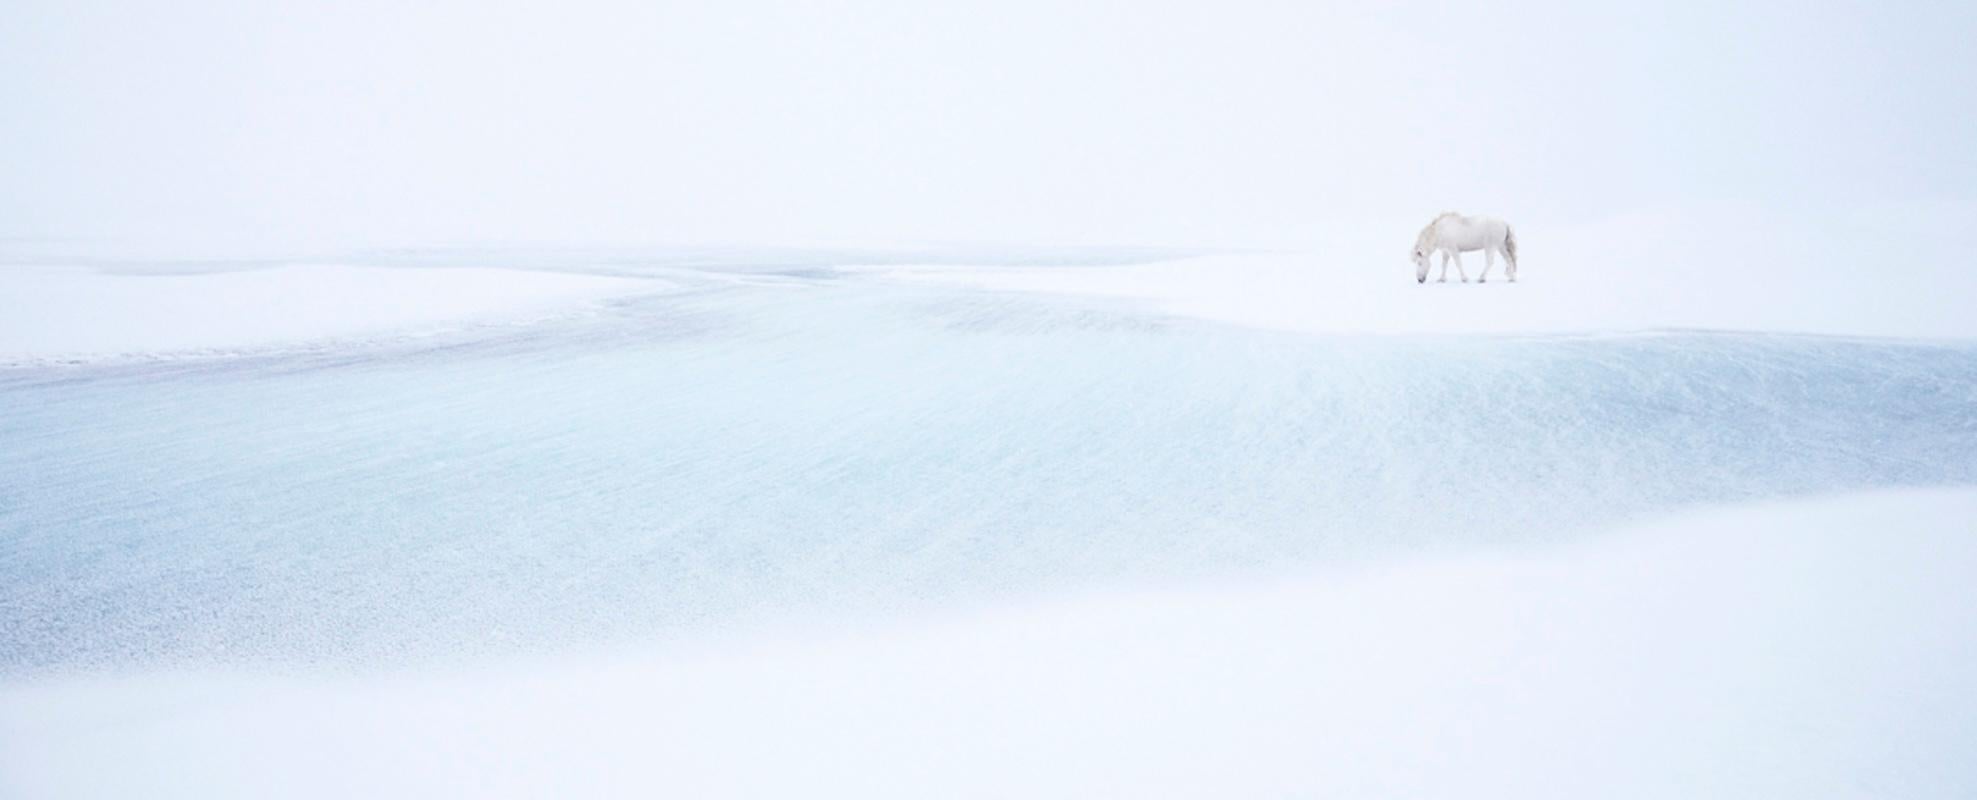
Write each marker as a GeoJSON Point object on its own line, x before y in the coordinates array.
{"type": "Point", "coordinates": [1420, 265]}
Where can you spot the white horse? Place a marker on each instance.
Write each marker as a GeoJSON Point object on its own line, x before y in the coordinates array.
{"type": "Point", "coordinates": [1452, 234]}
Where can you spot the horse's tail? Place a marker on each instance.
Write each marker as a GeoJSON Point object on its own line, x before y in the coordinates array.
{"type": "Point", "coordinates": [1510, 245]}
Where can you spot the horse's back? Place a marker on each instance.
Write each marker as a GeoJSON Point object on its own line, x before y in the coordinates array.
{"type": "Point", "coordinates": [1465, 233]}
{"type": "Point", "coordinates": [1491, 230]}
{"type": "Point", "coordinates": [1470, 233]}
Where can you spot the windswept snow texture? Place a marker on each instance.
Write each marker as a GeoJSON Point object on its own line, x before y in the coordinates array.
{"type": "Point", "coordinates": [73, 313]}
{"type": "Point", "coordinates": [783, 449]}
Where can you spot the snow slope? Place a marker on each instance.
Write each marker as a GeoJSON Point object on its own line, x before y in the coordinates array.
{"type": "Point", "coordinates": [696, 460]}
{"type": "Point", "coordinates": [54, 313]}
{"type": "Point", "coordinates": [1815, 649]}
{"type": "Point", "coordinates": [821, 531]}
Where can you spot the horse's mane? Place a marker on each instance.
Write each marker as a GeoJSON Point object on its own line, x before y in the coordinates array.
{"type": "Point", "coordinates": [1427, 234]}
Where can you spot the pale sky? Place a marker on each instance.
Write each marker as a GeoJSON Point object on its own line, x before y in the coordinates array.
{"type": "Point", "coordinates": [218, 124]}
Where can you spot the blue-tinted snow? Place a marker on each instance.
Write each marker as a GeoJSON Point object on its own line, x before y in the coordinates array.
{"type": "Point", "coordinates": [750, 451]}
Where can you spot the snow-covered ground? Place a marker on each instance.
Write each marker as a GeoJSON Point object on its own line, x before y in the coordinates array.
{"type": "Point", "coordinates": [1817, 649]}
{"type": "Point", "coordinates": [989, 530]}
{"type": "Point", "coordinates": [985, 398]}
{"type": "Point", "coordinates": [67, 312]}
{"type": "Point", "coordinates": [1316, 292]}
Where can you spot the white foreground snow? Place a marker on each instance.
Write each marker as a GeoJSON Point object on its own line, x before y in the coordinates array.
{"type": "Point", "coordinates": [1820, 648]}
{"type": "Point", "coordinates": [67, 312]}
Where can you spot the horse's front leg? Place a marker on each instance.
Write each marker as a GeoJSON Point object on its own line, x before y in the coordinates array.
{"type": "Point", "coordinates": [1458, 267]}
{"type": "Point", "coordinates": [1444, 277]}
{"type": "Point", "coordinates": [1489, 260]}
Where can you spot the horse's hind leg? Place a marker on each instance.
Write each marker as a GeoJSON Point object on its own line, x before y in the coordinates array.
{"type": "Point", "coordinates": [1458, 267]}
{"type": "Point", "coordinates": [1489, 260]}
